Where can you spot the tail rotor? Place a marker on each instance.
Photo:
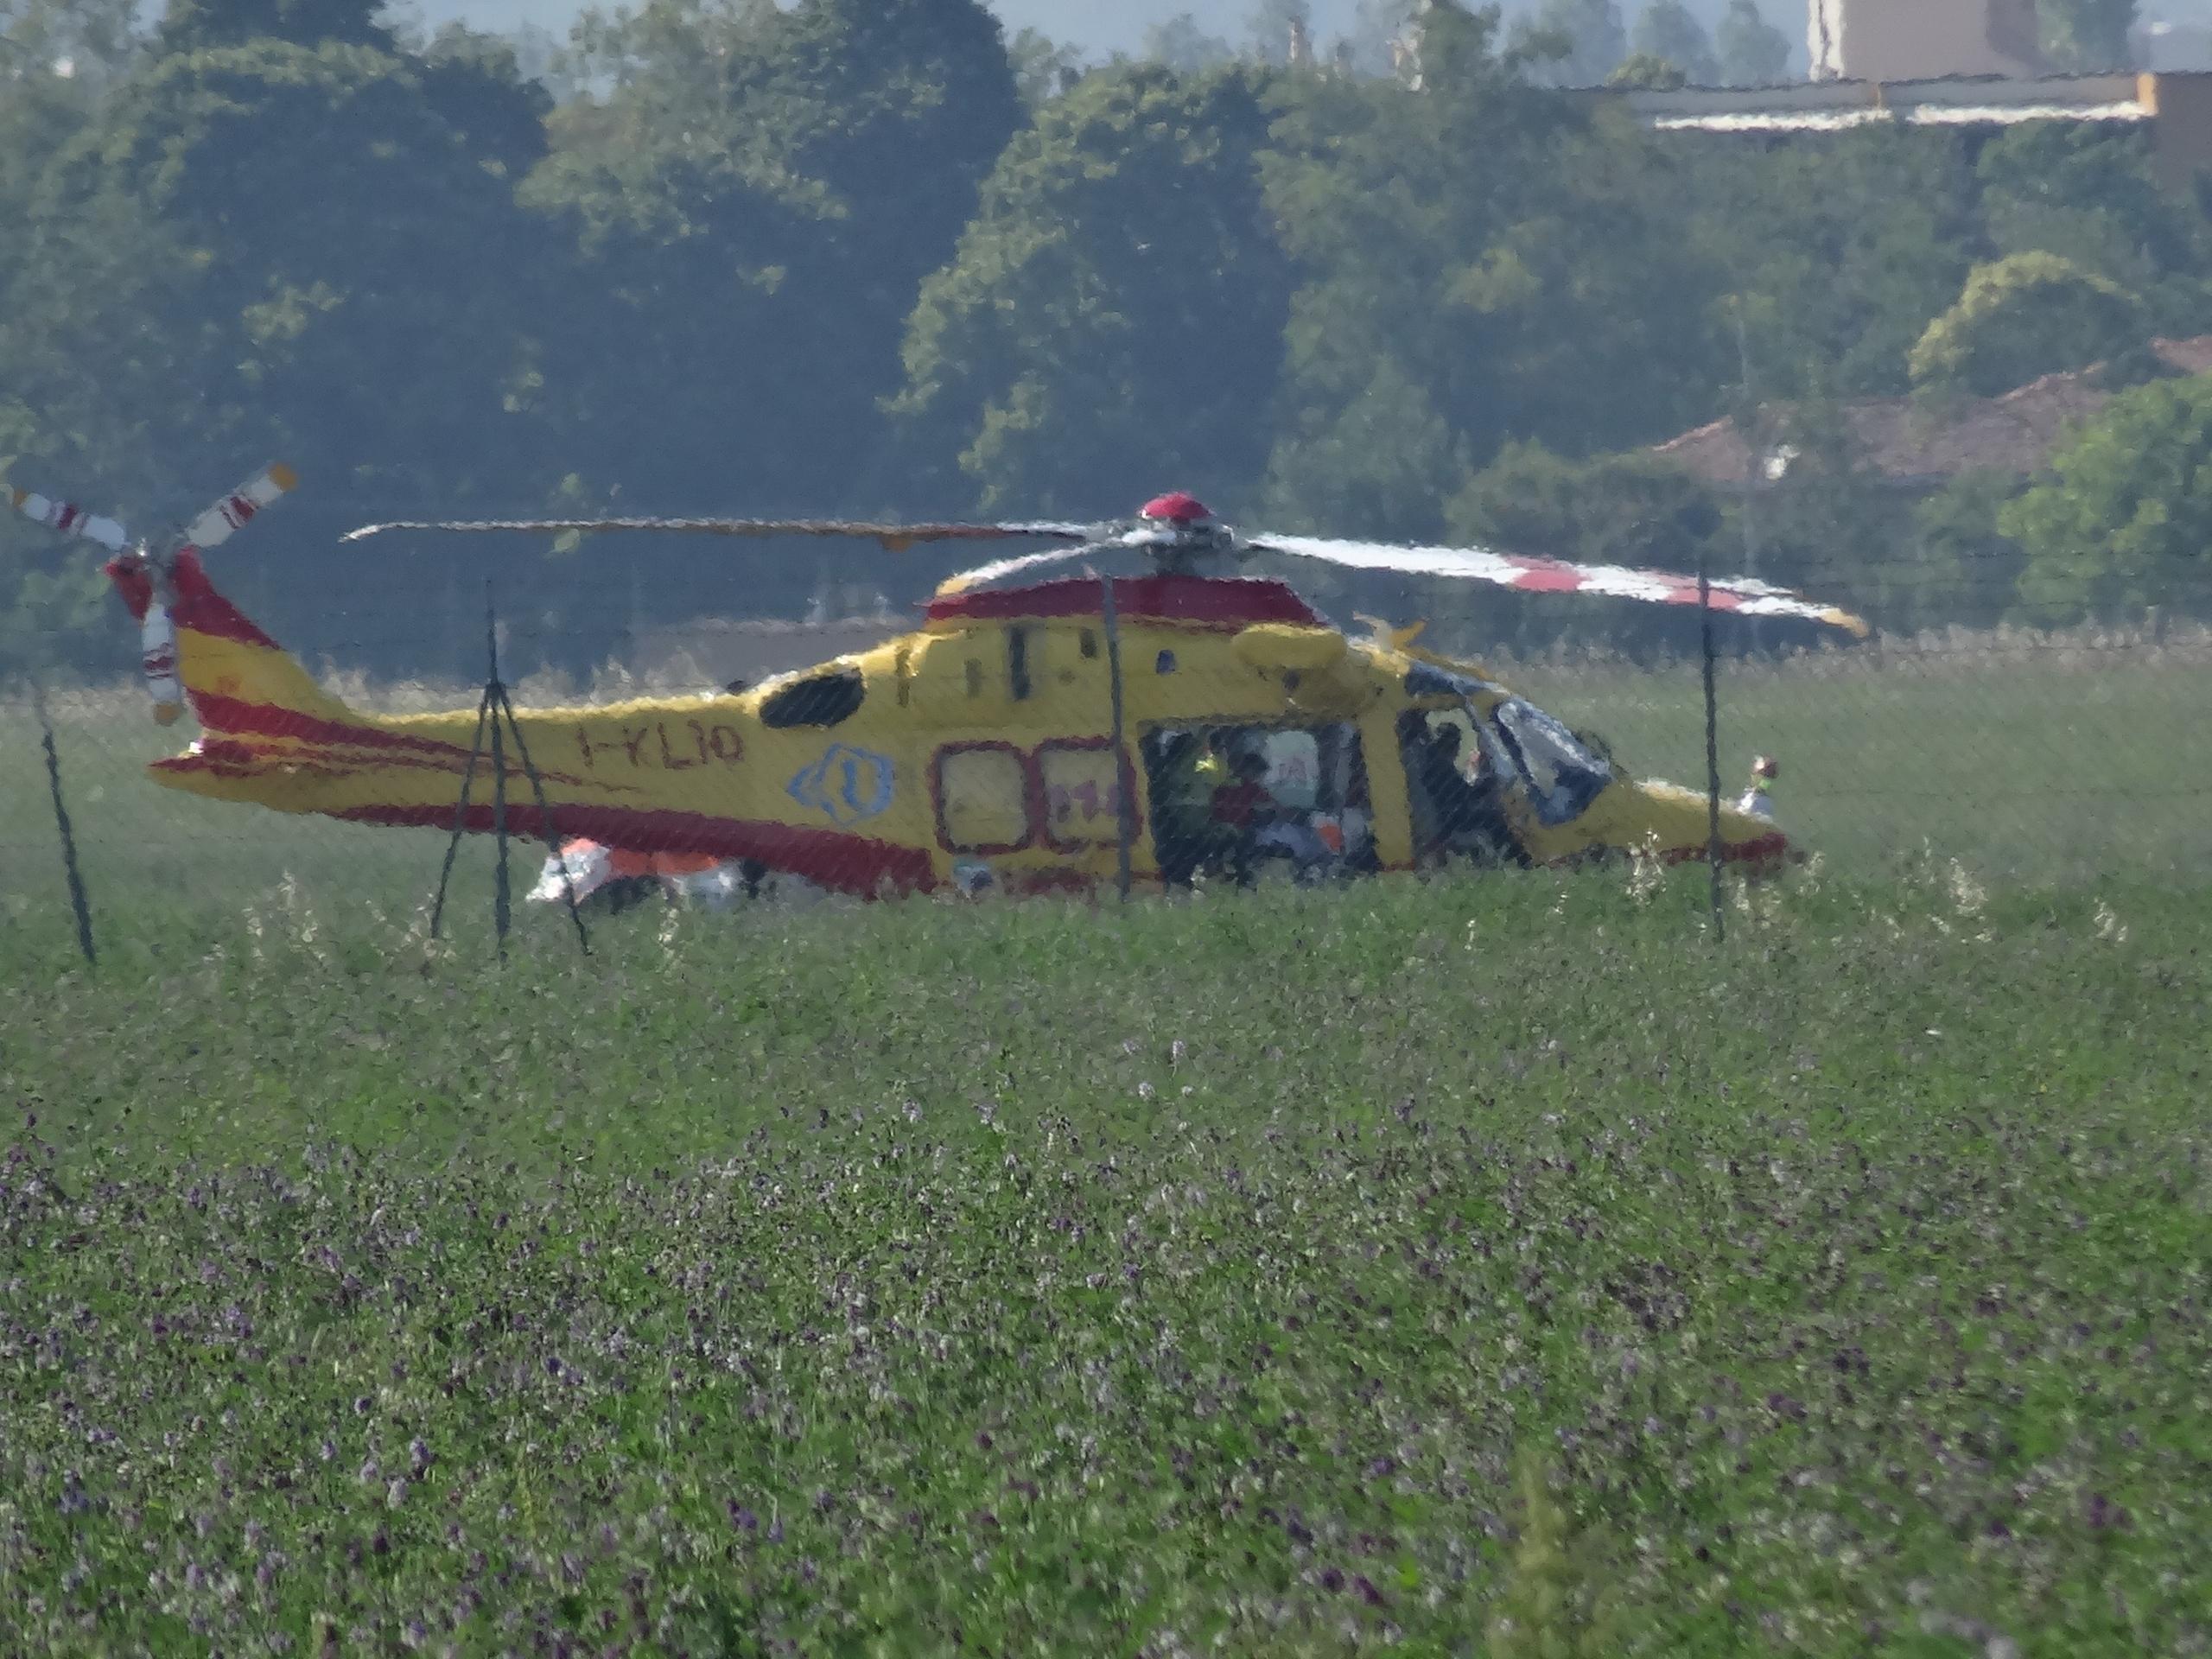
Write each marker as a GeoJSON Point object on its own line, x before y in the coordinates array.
{"type": "Point", "coordinates": [145, 578]}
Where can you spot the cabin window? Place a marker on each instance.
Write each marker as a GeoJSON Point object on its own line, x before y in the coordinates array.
{"type": "Point", "coordinates": [975, 677]}
{"type": "Point", "coordinates": [1082, 792]}
{"type": "Point", "coordinates": [1561, 773]}
{"type": "Point", "coordinates": [1164, 664]}
{"type": "Point", "coordinates": [818, 700]}
{"type": "Point", "coordinates": [981, 791]}
{"type": "Point", "coordinates": [1238, 801]}
{"type": "Point", "coordinates": [1087, 643]}
{"type": "Point", "coordinates": [1017, 663]}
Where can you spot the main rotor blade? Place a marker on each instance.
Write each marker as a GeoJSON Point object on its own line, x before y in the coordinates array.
{"type": "Point", "coordinates": [1743, 595]}
{"type": "Point", "coordinates": [69, 519]}
{"type": "Point", "coordinates": [221, 521]}
{"type": "Point", "coordinates": [960, 582]}
{"type": "Point", "coordinates": [895, 537]}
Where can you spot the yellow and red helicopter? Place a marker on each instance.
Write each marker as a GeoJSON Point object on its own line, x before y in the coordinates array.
{"type": "Point", "coordinates": [1132, 701]}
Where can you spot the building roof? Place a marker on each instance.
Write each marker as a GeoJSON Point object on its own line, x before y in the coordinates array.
{"type": "Point", "coordinates": [1950, 101]}
{"type": "Point", "coordinates": [1917, 443]}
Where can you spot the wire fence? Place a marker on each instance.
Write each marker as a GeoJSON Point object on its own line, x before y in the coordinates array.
{"type": "Point", "coordinates": [738, 760]}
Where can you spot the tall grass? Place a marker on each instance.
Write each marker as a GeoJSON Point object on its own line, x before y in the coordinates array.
{"type": "Point", "coordinates": [1482, 1266]}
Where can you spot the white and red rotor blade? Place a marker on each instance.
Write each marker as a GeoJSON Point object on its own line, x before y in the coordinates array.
{"type": "Point", "coordinates": [999, 570]}
{"type": "Point", "coordinates": [1741, 595]}
{"type": "Point", "coordinates": [222, 520]}
{"type": "Point", "coordinates": [68, 518]}
{"type": "Point", "coordinates": [157, 661]}
{"type": "Point", "coordinates": [896, 537]}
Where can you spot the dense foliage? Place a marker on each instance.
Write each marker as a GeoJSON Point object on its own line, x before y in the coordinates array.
{"type": "Point", "coordinates": [865, 255]}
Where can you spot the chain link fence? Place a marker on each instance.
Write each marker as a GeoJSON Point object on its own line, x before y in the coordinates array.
{"type": "Point", "coordinates": [979, 757]}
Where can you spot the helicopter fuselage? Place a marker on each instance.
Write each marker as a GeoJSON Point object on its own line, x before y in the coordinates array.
{"type": "Point", "coordinates": [977, 751]}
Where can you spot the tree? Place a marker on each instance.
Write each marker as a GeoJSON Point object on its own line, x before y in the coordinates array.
{"type": "Point", "coordinates": [211, 25]}
{"type": "Point", "coordinates": [1547, 294]}
{"type": "Point", "coordinates": [2085, 36]}
{"type": "Point", "coordinates": [1272, 25]}
{"type": "Point", "coordinates": [1580, 41]}
{"type": "Point", "coordinates": [1643, 72]}
{"type": "Point", "coordinates": [2023, 316]}
{"type": "Point", "coordinates": [757, 196]}
{"type": "Point", "coordinates": [55, 266]}
{"type": "Point", "coordinates": [281, 250]}
{"type": "Point", "coordinates": [1970, 571]}
{"type": "Point", "coordinates": [1623, 508]}
{"type": "Point", "coordinates": [1666, 29]}
{"type": "Point", "coordinates": [2090, 196]}
{"type": "Point", "coordinates": [87, 40]}
{"type": "Point", "coordinates": [1750, 51]}
{"type": "Point", "coordinates": [1368, 47]}
{"type": "Point", "coordinates": [1179, 44]}
{"type": "Point", "coordinates": [1112, 323]}
{"type": "Point", "coordinates": [1043, 67]}
{"type": "Point", "coordinates": [1844, 250]}
{"type": "Point", "coordinates": [2126, 518]}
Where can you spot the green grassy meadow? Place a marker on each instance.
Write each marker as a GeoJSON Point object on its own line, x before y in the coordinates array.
{"type": "Point", "coordinates": [1476, 1268]}
{"type": "Point", "coordinates": [1489, 1266]}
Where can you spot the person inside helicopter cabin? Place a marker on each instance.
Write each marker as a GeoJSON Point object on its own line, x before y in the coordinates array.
{"type": "Point", "coordinates": [1470, 816]}
{"type": "Point", "coordinates": [1183, 787]}
{"type": "Point", "coordinates": [1240, 808]}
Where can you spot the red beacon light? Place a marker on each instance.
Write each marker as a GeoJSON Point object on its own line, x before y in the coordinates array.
{"type": "Point", "coordinates": [1179, 509]}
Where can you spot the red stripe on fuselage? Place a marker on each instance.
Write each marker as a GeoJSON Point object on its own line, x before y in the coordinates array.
{"type": "Point", "coordinates": [855, 864]}
{"type": "Point", "coordinates": [1223, 602]}
{"type": "Point", "coordinates": [234, 716]}
{"type": "Point", "coordinates": [1766, 849]}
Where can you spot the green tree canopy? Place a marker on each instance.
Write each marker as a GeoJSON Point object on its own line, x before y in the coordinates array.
{"type": "Point", "coordinates": [1573, 42]}
{"type": "Point", "coordinates": [1748, 50]}
{"type": "Point", "coordinates": [1179, 44]}
{"type": "Point", "coordinates": [1270, 24]}
{"type": "Point", "coordinates": [1112, 323]}
{"type": "Point", "coordinates": [2023, 316]}
{"type": "Point", "coordinates": [206, 25]}
{"type": "Point", "coordinates": [1043, 67]}
{"type": "Point", "coordinates": [1648, 73]}
{"type": "Point", "coordinates": [1668, 29]}
{"type": "Point", "coordinates": [2126, 518]}
{"type": "Point", "coordinates": [758, 200]}
{"type": "Point", "coordinates": [1477, 287]}
{"type": "Point", "coordinates": [2084, 36]}
{"type": "Point", "coordinates": [2091, 196]}
{"type": "Point", "coordinates": [1844, 249]}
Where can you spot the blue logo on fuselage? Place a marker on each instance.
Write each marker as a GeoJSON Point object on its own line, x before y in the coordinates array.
{"type": "Point", "coordinates": [847, 785]}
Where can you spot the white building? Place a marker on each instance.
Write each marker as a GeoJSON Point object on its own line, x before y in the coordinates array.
{"type": "Point", "coordinates": [1922, 40]}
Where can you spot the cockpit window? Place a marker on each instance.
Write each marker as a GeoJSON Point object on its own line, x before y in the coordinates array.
{"type": "Point", "coordinates": [1562, 774]}
{"type": "Point", "coordinates": [817, 700]}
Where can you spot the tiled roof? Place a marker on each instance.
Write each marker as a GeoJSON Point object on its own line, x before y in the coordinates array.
{"type": "Point", "coordinates": [1923, 443]}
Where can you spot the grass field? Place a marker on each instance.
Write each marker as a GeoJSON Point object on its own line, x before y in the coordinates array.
{"type": "Point", "coordinates": [1492, 1267]}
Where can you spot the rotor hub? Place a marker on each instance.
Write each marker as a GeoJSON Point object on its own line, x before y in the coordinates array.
{"type": "Point", "coordinates": [1178, 510]}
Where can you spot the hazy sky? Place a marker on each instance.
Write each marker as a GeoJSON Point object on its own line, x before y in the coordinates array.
{"type": "Point", "coordinates": [1103, 26]}
{"type": "Point", "coordinates": [1099, 25]}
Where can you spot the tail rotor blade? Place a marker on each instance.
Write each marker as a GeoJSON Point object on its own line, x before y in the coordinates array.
{"type": "Point", "coordinates": [68, 518]}
{"type": "Point", "coordinates": [223, 519]}
{"type": "Point", "coordinates": [157, 660]}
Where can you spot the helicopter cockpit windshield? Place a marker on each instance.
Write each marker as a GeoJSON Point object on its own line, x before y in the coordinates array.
{"type": "Point", "coordinates": [1563, 775]}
